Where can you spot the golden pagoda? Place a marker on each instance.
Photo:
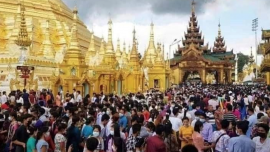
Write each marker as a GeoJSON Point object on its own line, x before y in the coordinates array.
{"type": "Point", "coordinates": [195, 62]}
{"type": "Point", "coordinates": [265, 66]}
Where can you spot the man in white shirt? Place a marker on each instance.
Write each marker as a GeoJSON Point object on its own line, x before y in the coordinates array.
{"type": "Point", "coordinates": [4, 97]}
{"type": "Point", "coordinates": [79, 97]}
{"type": "Point", "coordinates": [93, 99]}
{"type": "Point", "coordinates": [75, 94]}
{"type": "Point", "coordinates": [213, 102]}
{"type": "Point", "coordinates": [176, 122]}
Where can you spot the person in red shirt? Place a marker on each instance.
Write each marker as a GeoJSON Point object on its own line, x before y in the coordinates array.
{"type": "Point", "coordinates": [156, 143]}
{"type": "Point", "coordinates": [146, 113]}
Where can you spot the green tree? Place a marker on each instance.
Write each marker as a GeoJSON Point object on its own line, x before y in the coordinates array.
{"type": "Point", "coordinates": [242, 60]}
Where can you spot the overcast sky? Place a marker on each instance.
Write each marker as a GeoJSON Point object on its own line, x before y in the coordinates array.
{"type": "Point", "coordinates": [171, 17]}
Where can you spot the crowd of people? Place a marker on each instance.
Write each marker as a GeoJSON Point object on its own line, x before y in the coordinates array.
{"type": "Point", "coordinates": [219, 118]}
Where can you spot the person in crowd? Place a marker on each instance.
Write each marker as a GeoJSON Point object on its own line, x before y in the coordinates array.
{"type": "Point", "coordinates": [11, 130]}
{"type": "Point", "coordinates": [252, 119]}
{"type": "Point", "coordinates": [220, 138]}
{"type": "Point", "coordinates": [91, 145]}
{"type": "Point", "coordinates": [123, 119]}
{"type": "Point", "coordinates": [229, 114]}
{"type": "Point", "coordinates": [21, 135]}
{"type": "Point", "coordinates": [185, 133]}
{"type": "Point", "coordinates": [31, 142]}
{"type": "Point", "coordinates": [196, 118]}
{"type": "Point", "coordinates": [118, 144]}
{"type": "Point", "coordinates": [175, 121]}
{"type": "Point", "coordinates": [114, 132]}
{"type": "Point", "coordinates": [242, 143]}
{"type": "Point", "coordinates": [132, 139]}
{"type": "Point", "coordinates": [197, 137]}
{"type": "Point", "coordinates": [261, 141]}
{"type": "Point", "coordinates": [58, 99]}
{"type": "Point", "coordinates": [87, 130]}
{"type": "Point", "coordinates": [73, 135]}
{"type": "Point", "coordinates": [156, 143]}
{"type": "Point", "coordinates": [41, 144]}
{"type": "Point", "coordinates": [60, 139]}
{"type": "Point", "coordinates": [96, 134]}
{"type": "Point", "coordinates": [170, 136]}
{"type": "Point", "coordinates": [207, 129]}
{"type": "Point", "coordinates": [189, 148]}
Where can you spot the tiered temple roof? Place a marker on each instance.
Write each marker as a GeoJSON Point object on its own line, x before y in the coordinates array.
{"type": "Point", "coordinates": [193, 35]}
{"type": "Point", "coordinates": [195, 41]}
{"type": "Point", "coordinates": [219, 44]}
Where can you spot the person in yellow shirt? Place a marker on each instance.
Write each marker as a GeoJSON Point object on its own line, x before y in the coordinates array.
{"type": "Point", "coordinates": [185, 133]}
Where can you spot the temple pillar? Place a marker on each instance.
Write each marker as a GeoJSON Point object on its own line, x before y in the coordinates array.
{"type": "Point", "coordinates": [267, 74]}
{"type": "Point", "coordinates": [181, 72]}
{"type": "Point", "coordinates": [106, 85]}
{"type": "Point", "coordinates": [221, 76]}
{"type": "Point", "coordinates": [229, 77]}
{"type": "Point", "coordinates": [203, 76]}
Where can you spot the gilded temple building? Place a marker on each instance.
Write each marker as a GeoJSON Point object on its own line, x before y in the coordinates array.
{"type": "Point", "coordinates": [44, 44]}
{"type": "Point", "coordinates": [195, 62]}
{"type": "Point", "coordinates": [265, 66]}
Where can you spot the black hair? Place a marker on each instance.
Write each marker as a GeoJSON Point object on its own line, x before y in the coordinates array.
{"type": "Point", "coordinates": [119, 143]}
{"type": "Point", "coordinates": [151, 126]}
{"type": "Point", "coordinates": [229, 107]}
{"type": "Point", "coordinates": [243, 125]}
{"type": "Point", "coordinates": [116, 129]}
{"type": "Point", "coordinates": [159, 129]}
{"type": "Point", "coordinates": [197, 126]}
{"type": "Point", "coordinates": [224, 124]}
{"type": "Point", "coordinates": [185, 118]}
{"type": "Point", "coordinates": [136, 128]}
{"type": "Point", "coordinates": [251, 109]}
{"type": "Point", "coordinates": [189, 148]}
{"type": "Point", "coordinates": [41, 131]}
{"type": "Point", "coordinates": [259, 115]}
{"type": "Point", "coordinates": [98, 127]}
{"type": "Point", "coordinates": [91, 143]}
{"type": "Point", "coordinates": [264, 126]}
{"type": "Point", "coordinates": [62, 126]}
{"type": "Point", "coordinates": [32, 130]}
{"type": "Point", "coordinates": [105, 117]}
{"type": "Point", "coordinates": [89, 120]}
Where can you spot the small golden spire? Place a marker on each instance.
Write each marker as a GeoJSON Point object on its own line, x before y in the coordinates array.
{"type": "Point", "coordinates": [75, 13]}
{"type": "Point", "coordinates": [110, 43]}
{"type": "Point", "coordinates": [134, 35]}
{"type": "Point", "coordinates": [23, 40]}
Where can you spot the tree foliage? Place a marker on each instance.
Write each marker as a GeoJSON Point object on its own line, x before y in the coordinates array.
{"type": "Point", "coordinates": [242, 60]}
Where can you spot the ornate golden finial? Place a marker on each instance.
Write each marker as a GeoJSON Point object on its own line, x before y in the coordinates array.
{"type": "Point", "coordinates": [75, 13]}
{"type": "Point", "coordinates": [219, 29]}
{"type": "Point", "coordinates": [152, 32]}
{"type": "Point", "coordinates": [193, 6]}
{"type": "Point", "coordinates": [23, 40]}
{"type": "Point", "coordinates": [110, 44]}
{"type": "Point", "coordinates": [134, 35]}
{"type": "Point", "coordinates": [124, 46]}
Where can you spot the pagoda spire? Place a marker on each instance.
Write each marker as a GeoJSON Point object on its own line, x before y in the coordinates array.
{"type": "Point", "coordinates": [134, 45]}
{"type": "Point", "coordinates": [219, 29]}
{"type": "Point", "coordinates": [219, 44]}
{"type": "Point", "coordinates": [193, 36]}
{"type": "Point", "coordinates": [251, 57]}
{"type": "Point", "coordinates": [118, 52]}
{"type": "Point", "coordinates": [124, 54]}
{"type": "Point", "coordinates": [47, 47]}
{"type": "Point", "coordinates": [91, 52]}
{"type": "Point", "coordinates": [109, 48]}
{"type": "Point", "coordinates": [74, 47]}
{"type": "Point", "coordinates": [193, 7]}
{"type": "Point", "coordinates": [102, 47]}
{"type": "Point", "coordinates": [23, 40]}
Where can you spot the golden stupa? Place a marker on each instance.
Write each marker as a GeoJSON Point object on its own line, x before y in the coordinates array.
{"type": "Point", "coordinates": [44, 44]}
